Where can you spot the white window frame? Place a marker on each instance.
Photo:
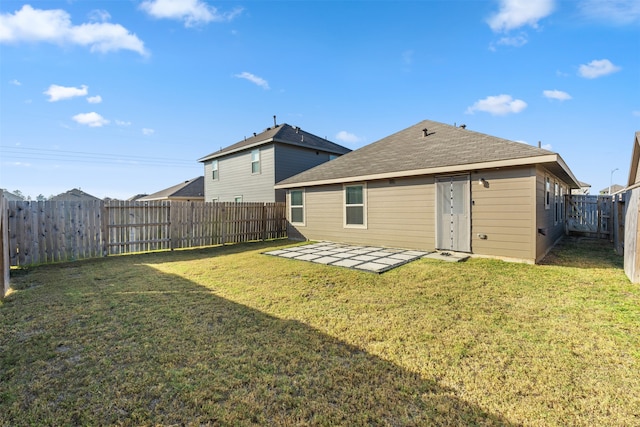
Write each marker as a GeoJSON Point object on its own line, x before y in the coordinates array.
{"type": "Point", "coordinates": [547, 192]}
{"type": "Point", "coordinates": [556, 203]}
{"type": "Point", "coordinates": [302, 206]}
{"type": "Point", "coordinates": [255, 153]}
{"type": "Point", "coordinates": [235, 199]}
{"type": "Point", "coordinates": [562, 203]}
{"type": "Point", "coordinates": [215, 172]}
{"type": "Point", "coordinates": [363, 205]}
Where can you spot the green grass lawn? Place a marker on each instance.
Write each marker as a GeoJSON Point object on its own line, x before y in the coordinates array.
{"type": "Point", "coordinates": [229, 336]}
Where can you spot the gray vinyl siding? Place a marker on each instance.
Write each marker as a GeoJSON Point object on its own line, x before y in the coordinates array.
{"type": "Point", "coordinates": [545, 218]}
{"type": "Point", "coordinates": [291, 160]}
{"type": "Point", "coordinates": [236, 179]}
{"type": "Point", "coordinates": [399, 214]}
{"type": "Point", "coordinates": [402, 213]}
{"type": "Point", "coordinates": [503, 210]}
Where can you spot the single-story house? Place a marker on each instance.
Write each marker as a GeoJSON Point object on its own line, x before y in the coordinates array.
{"type": "Point", "coordinates": [436, 186]}
{"type": "Point", "coordinates": [613, 189]}
{"type": "Point", "coordinates": [584, 189]}
{"type": "Point", "coordinates": [247, 170]}
{"type": "Point", "coordinates": [74, 195]}
{"type": "Point", "coordinates": [187, 191]}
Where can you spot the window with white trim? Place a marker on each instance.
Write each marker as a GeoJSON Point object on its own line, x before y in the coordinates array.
{"type": "Point", "coordinates": [556, 202]}
{"type": "Point", "coordinates": [237, 199]}
{"type": "Point", "coordinates": [296, 206]}
{"type": "Point", "coordinates": [255, 161]}
{"type": "Point", "coordinates": [547, 192]}
{"type": "Point", "coordinates": [214, 170]}
{"type": "Point", "coordinates": [562, 203]}
{"type": "Point", "coordinates": [355, 209]}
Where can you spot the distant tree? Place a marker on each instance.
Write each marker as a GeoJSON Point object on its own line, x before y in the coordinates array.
{"type": "Point", "coordinates": [18, 193]}
{"type": "Point", "coordinates": [41, 198]}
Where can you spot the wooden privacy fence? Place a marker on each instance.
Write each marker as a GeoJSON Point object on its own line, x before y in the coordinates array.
{"type": "Point", "coordinates": [590, 215]}
{"type": "Point", "coordinates": [43, 232]}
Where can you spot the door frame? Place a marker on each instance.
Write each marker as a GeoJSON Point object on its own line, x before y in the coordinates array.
{"type": "Point", "coordinates": [466, 177]}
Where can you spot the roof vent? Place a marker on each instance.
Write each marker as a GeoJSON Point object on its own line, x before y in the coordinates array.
{"type": "Point", "coordinates": [255, 134]}
{"type": "Point", "coordinates": [463, 126]}
{"type": "Point", "coordinates": [425, 132]}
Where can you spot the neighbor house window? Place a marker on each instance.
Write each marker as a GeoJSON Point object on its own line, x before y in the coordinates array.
{"type": "Point", "coordinates": [297, 206]}
{"type": "Point", "coordinates": [333, 156]}
{"type": "Point", "coordinates": [214, 200]}
{"type": "Point", "coordinates": [547, 192]}
{"type": "Point", "coordinates": [214, 170]}
{"type": "Point", "coordinates": [355, 214]}
{"type": "Point", "coordinates": [237, 199]}
{"type": "Point", "coordinates": [556, 202]}
{"type": "Point", "coordinates": [255, 161]}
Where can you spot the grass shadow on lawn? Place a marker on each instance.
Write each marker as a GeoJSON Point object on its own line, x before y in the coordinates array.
{"type": "Point", "coordinates": [584, 252]}
{"type": "Point", "coordinates": [106, 347]}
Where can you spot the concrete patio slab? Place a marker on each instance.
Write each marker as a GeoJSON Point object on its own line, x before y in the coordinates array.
{"type": "Point", "coordinates": [366, 258]}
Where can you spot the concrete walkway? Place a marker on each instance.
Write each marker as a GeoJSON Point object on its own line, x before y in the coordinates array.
{"type": "Point", "coordinates": [367, 258]}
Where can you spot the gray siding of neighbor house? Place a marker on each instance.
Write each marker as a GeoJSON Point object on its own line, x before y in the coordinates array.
{"type": "Point", "coordinates": [291, 160]}
{"type": "Point", "coordinates": [236, 179]}
{"type": "Point", "coordinates": [546, 218]}
{"type": "Point", "coordinates": [508, 210]}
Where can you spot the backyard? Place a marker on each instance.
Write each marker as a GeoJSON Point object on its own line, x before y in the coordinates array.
{"type": "Point", "coordinates": [230, 336]}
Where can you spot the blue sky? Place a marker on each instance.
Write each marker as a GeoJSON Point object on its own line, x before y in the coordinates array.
{"type": "Point", "coordinates": [122, 97]}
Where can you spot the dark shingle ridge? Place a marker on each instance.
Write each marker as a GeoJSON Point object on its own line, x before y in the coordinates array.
{"type": "Point", "coordinates": [190, 188]}
{"type": "Point", "coordinates": [410, 150]}
{"type": "Point", "coordinates": [284, 134]}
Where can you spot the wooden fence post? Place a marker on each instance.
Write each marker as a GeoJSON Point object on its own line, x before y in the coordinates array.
{"type": "Point", "coordinates": [5, 265]}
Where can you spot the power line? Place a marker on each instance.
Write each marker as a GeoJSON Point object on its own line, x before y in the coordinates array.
{"type": "Point", "coordinates": [28, 153]}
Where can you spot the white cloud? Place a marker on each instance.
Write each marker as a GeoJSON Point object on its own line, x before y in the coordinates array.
{"type": "Point", "coordinates": [15, 82]}
{"type": "Point", "coordinates": [94, 99]}
{"type": "Point", "coordinates": [636, 113]}
{"type": "Point", "coordinates": [546, 147]}
{"type": "Point", "coordinates": [92, 119]}
{"type": "Point", "coordinates": [147, 131]}
{"type": "Point", "coordinates": [556, 94]}
{"type": "Point", "coordinates": [253, 79]}
{"type": "Point", "coordinates": [122, 123]}
{"type": "Point", "coordinates": [192, 12]}
{"type": "Point", "coordinates": [617, 12]}
{"type": "Point", "coordinates": [597, 68]}
{"type": "Point", "coordinates": [99, 15]}
{"type": "Point", "coordinates": [518, 13]}
{"type": "Point", "coordinates": [515, 41]}
{"type": "Point", "coordinates": [498, 105]}
{"type": "Point", "coordinates": [344, 136]}
{"type": "Point", "coordinates": [54, 26]}
{"type": "Point", "coordinates": [57, 93]}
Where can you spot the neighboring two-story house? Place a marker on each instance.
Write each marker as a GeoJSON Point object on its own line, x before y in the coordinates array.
{"type": "Point", "coordinates": [248, 170]}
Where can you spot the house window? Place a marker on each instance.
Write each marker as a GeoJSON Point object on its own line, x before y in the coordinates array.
{"type": "Point", "coordinates": [355, 214]}
{"type": "Point", "coordinates": [214, 200]}
{"type": "Point", "coordinates": [255, 161]}
{"type": "Point", "coordinates": [214, 170]}
{"type": "Point", "coordinates": [333, 156]}
{"type": "Point", "coordinates": [547, 193]}
{"type": "Point", "coordinates": [562, 203]}
{"type": "Point", "coordinates": [237, 199]}
{"type": "Point", "coordinates": [556, 202]}
{"type": "Point", "coordinates": [297, 206]}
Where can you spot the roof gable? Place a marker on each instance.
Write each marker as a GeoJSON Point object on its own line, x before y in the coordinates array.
{"type": "Point", "coordinates": [425, 146]}
{"type": "Point", "coordinates": [193, 188]}
{"type": "Point", "coordinates": [284, 134]}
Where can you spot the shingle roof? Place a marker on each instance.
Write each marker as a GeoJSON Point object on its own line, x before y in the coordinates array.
{"type": "Point", "coordinates": [191, 189]}
{"type": "Point", "coordinates": [409, 150]}
{"type": "Point", "coordinates": [284, 134]}
{"type": "Point", "coordinates": [72, 195]}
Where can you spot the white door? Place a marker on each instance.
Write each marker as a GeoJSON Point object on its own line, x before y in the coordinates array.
{"type": "Point", "coordinates": [453, 219]}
